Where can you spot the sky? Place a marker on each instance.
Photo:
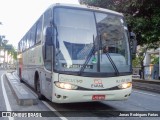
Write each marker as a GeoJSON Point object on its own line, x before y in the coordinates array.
{"type": "Point", "coordinates": [17, 16]}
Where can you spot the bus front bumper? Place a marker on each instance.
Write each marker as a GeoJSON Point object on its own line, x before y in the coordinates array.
{"type": "Point", "coordinates": [71, 96]}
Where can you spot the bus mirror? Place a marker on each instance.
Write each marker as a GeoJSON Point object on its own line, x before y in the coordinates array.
{"type": "Point", "coordinates": [133, 43]}
{"type": "Point", "coordinates": [49, 34]}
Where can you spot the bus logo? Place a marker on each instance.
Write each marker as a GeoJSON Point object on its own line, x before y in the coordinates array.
{"type": "Point", "coordinates": [97, 84]}
{"type": "Point", "coordinates": [97, 81]}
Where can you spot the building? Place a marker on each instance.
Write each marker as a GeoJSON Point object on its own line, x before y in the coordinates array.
{"type": "Point", "coordinates": [152, 71]}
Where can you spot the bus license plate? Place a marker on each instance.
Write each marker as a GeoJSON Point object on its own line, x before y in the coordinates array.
{"type": "Point", "coordinates": [98, 97]}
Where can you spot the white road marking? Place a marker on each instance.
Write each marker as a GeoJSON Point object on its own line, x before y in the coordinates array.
{"type": "Point", "coordinates": [8, 107]}
{"type": "Point", "coordinates": [144, 93]}
{"type": "Point", "coordinates": [54, 110]}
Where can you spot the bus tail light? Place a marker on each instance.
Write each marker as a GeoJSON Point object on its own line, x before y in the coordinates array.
{"type": "Point", "coordinates": [125, 85]}
{"type": "Point", "coordinates": [66, 86]}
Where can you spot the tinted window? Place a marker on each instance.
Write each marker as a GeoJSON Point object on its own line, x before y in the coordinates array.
{"type": "Point", "coordinates": [39, 30]}
{"type": "Point", "coordinates": [33, 36]}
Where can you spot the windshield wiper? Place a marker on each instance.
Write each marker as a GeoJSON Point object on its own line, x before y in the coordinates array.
{"type": "Point", "coordinates": [114, 66]}
{"type": "Point", "coordinates": [110, 59]}
{"type": "Point", "coordinates": [88, 57]}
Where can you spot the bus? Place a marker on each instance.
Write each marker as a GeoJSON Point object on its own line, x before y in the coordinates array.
{"type": "Point", "coordinates": [77, 53]}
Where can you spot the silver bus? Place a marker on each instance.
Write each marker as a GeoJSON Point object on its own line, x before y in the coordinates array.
{"type": "Point", "coordinates": [76, 53]}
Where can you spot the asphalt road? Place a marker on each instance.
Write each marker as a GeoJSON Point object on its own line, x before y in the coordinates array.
{"type": "Point", "coordinates": [138, 101]}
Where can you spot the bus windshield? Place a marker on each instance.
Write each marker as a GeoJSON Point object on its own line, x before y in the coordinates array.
{"type": "Point", "coordinates": [93, 40]}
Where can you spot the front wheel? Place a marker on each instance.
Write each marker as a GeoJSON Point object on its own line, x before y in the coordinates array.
{"type": "Point", "coordinates": [38, 90]}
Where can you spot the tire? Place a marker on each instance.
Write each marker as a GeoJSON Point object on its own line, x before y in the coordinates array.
{"type": "Point", "coordinates": [21, 81]}
{"type": "Point", "coordinates": [38, 90]}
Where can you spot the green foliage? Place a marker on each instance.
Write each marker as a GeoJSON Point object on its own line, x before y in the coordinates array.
{"type": "Point", "coordinates": [12, 52]}
{"type": "Point", "coordinates": [136, 62]}
{"type": "Point", "coordinates": [155, 60]}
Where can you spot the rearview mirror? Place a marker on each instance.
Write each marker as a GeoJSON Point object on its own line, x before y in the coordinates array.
{"type": "Point", "coordinates": [133, 43]}
{"type": "Point", "coordinates": [49, 36]}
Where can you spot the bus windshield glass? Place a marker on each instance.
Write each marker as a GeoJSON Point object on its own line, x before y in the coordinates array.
{"type": "Point", "coordinates": [97, 42]}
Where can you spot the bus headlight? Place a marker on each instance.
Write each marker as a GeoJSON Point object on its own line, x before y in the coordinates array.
{"type": "Point", "coordinates": [125, 85]}
{"type": "Point", "coordinates": [66, 86]}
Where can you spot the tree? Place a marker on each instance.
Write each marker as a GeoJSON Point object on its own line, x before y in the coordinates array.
{"type": "Point", "coordinates": [11, 51]}
{"type": "Point", "coordinates": [145, 20]}
{"type": "Point", "coordinates": [14, 53]}
{"type": "Point", "coordinates": [5, 47]}
{"type": "Point", "coordinates": [155, 60]}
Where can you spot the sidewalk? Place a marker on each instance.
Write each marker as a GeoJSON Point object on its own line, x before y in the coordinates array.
{"type": "Point", "coordinates": [23, 95]}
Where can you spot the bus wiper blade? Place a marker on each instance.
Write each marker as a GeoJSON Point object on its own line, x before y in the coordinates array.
{"type": "Point", "coordinates": [88, 57]}
{"type": "Point", "coordinates": [114, 66]}
{"type": "Point", "coordinates": [109, 57]}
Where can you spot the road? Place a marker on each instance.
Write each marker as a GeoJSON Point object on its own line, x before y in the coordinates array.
{"type": "Point", "coordinates": [138, 101]}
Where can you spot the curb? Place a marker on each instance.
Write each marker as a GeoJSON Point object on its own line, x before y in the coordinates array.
{"type": "Point", "coordinates": [148, 85]}
{"type": "Point", "coordinates": [147, 81]}
{"type": "Point", "coordinates": [23, 95]}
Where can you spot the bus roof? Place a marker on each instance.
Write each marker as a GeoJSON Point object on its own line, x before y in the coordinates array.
{"type": "Point", "coordinates": [86, 7]}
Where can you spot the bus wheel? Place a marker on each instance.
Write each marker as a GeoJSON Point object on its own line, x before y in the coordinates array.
{"type": "Point", "coordinates": [38, 90]}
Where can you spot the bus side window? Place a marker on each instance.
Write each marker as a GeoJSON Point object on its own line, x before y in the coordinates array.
{"type": "Point", "coordinates": [33, 36]}
{"type": "Point", "coordinates": [48, 57]}
{"type": "Point", "coordinates": [39, 30]}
